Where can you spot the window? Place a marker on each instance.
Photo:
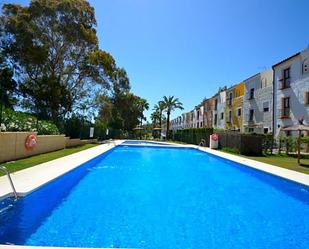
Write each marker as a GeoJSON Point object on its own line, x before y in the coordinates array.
{"type": "Point", "coordinates": [251, 129]}
{"type": "Point", "coordinates": [251, 115]}
{"type": "Point", "coordinates": [285, 107]}
{"type": "Point", "coordinates": [251, 96]}
{"type": "Point", "coordinates": [265, 130]}
{"type": "Point", "coordinates": [306, 66]}
{"type": "Point", "coordinates": [216, 104]}
{"type": "Point", "coordinates": [230, 98]}
{"type": "Point", "coordinates": [222, 115]}
{"type": "Point", "coordinates": [216, 119]}
{"type": "Point", "coordinates": [201, 124]}
{"type": "Point", "coordinates": [239, 112]}
{"type": "Point", "coordinates": [230, 117]}
{"type": "Point", "coordinates": [286, 80]}
{"type": "Point", "coordinates": [307, 98]}
{"type": "Point", "coordinates": [266, 107]}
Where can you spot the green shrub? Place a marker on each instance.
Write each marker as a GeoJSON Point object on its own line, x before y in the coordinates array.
{"type": "Point", "coordinates": [20, 121]}
{"type": "Point", "coordinates": [192, 135]}
{"type": "Point", "coordinates": [305, 140]}
{"type": "Point", "coordinates": [231, 150]}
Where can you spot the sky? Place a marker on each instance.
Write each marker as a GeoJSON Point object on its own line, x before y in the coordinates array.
{"type": "Point", "coordinates": [190, 48]}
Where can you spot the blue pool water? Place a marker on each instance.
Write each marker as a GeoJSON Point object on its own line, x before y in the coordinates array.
{"type": "Point", "coordinates": [146, 197]}
{"type": "Point", "coordinates": [141, 142]}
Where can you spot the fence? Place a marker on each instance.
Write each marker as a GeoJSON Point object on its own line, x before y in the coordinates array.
{"type": "Point", "coordinates": [193, 136]}
{"type": "Point", "coordinates": [246, 144]}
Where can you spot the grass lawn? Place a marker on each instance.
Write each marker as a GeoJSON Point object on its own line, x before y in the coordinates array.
{"type": "Point", "coordinates": [42, 158]}
{"type": "Point", "coordinates": [284, 161]}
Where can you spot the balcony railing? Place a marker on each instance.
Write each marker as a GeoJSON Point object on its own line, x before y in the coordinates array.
{"type": "Point", "coordinates": [285, 113]}
{"type": "Point", "coordinates": [251, 121]}
{"type": "Point", "coordinates": [285, 83]}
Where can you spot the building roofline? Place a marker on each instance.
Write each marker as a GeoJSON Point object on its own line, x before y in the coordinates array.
{"type": "Point", "coordinates": [285, 60]}
{"type": "Point", "coordinates": [253, 76]}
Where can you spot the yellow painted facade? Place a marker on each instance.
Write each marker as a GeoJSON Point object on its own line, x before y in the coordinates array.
{"type": "Point", "coordinates": [234, 107]}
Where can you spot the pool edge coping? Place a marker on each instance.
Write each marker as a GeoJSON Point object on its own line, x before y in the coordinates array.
{"type": "Point", "coordinates": [292, 175]}
{"type": "Point", "coordinates": [56, 247]}
{"type": "Point", "coordinates": [29, 179]}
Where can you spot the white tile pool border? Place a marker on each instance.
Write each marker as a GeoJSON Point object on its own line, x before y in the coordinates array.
{"type": "Point", "coordinates": [268, 168]}
{"type": "Point", "coordinates": [30, 179]}
{"type": "Point", "coordinates": [50, 247]}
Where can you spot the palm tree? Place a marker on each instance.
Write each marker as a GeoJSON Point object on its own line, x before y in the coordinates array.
{"type": "Point", "coordinates": [155, 117]}
{"type": "Point", "coordinates": [159, 108]}
{"type": "Point", "coordinates": [170, 104]}
{"type": "Point", "coordinates": [142, 106]}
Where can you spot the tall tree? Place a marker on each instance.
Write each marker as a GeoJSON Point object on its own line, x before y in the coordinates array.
{"type": "Point", "coordinates": [170, 103]}
{"type": "Point", "coordinates": [8, 86]}
{"type": "Point", "coordinates": [159, 108]}
{"type": "Point", "coordinates": [53, 45]}
{"type": "Point", "coordinates": [142, 105]}
{"type": "Point", "coordinates": [155, 118]}
{"type": "Point", "coordinates": [123, 111]}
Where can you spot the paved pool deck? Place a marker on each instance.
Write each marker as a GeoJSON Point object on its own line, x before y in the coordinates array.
{"type": "Point", "coordinates": [28, 180]}
{"type": "Point", "coordinates": [268, 168]}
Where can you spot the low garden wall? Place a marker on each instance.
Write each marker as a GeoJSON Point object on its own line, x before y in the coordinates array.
{"type": "Point", "coordinates": [12, 144]}
{"type": "Point", "coordinates": [77, 142]}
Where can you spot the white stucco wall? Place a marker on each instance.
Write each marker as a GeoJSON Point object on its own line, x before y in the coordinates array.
{"type": "Point", "coordinates": [299, 86]}
{"type": "Point", "coordinates": [262, 83]}
{"type": "Point", "coordinates": [221, 99]}
{"type": "Point", "coordinates": [198, 118]}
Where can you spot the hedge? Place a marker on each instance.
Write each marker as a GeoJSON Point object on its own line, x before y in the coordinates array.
{"type": "Point", "coordinates": [193, 135]}
{"type": "Point", "coordinates": [20, 121]}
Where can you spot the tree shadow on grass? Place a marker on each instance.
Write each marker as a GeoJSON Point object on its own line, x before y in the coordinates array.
{"type": "Point", "coordinates": [304, 165]}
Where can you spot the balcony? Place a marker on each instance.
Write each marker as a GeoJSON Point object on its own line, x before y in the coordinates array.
{"type": "Point", "coordinates": [250, 122]}
{"type": "Point", "coordinates": [285, 83]}
{"type": "Point", "coordinates": [285, 113]}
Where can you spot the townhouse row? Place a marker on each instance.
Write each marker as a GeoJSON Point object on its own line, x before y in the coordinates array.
{"type": "Point", "coordinates": [263, 103]}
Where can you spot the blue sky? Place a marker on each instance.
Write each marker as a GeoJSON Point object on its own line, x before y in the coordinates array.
{"type": "Point", "coordinates": [189, 48]}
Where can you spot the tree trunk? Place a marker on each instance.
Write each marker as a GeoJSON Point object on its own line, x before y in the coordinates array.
{"type": "Point", "coordinates": [298, 147]}
{"type": "Point", "coordinates": [167, 126]}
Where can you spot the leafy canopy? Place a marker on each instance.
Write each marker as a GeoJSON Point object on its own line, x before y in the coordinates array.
{"type": "Point", "coordinates": [54, 47]}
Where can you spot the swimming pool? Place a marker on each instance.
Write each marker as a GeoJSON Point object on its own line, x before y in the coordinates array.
{"type": "Point", "coordinates": [142, 142]}
{"type": "Point", "coordinates": [147, 197]}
